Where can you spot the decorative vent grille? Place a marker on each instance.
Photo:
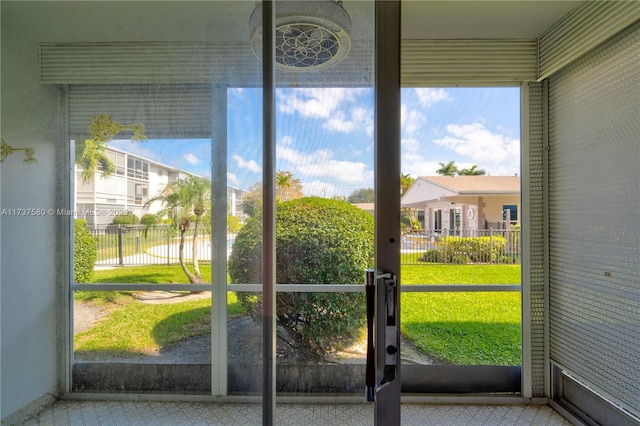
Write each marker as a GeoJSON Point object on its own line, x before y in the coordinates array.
{"type": "Point", "coordinates": [305, 45]}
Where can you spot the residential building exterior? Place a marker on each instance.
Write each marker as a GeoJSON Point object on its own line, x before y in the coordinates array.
{"type": "Point", "coordinates": [135, 181]}
{"type": "Point", "coordinates": [465, 203]}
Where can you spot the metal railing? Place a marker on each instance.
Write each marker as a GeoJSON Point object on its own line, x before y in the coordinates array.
{"type": "Point", "coordinates": [142, 245]}
{"type": "Point", "coordinates": [458, 246]}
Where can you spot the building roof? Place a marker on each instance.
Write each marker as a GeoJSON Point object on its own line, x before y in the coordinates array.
{"type": "Point", "coordinates": [365, 206]}
{"type": "Point", "coordinates": [477, 184]}
{"type": "Point", "coordinates": [141, 157]}
{"type": "Point", "coordinates": [427, 189]}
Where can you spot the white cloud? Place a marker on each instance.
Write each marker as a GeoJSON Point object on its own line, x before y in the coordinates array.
{"type": "Point", "coordinates": [416, 165]}
{"type": "Point", "coordinates": [343, 171]}
{"type": "Point", "coordinates": [315, 102]}
{"type": "Point", "coordinates": [429, 96]}
{"type": "Point", "coordinates": [250, 165]}
{"type": "Point", "coordinates": [232, 179]}
{"type": "Point", "coordinates": [341, 108]}
{"type": "Point", "coordinates": [496, 153]}
{"type": "Point", "coordinates": [285, 140]}
{"type": "Point", "coordinates": [411, 119]}
{"type": "Point", "coordinates": [361, 118]}
{"type": "Point", "coordinates": [191, 159]}
{"type": "Point", "coordinates": [409, 144]}
{"type": "Point", "coordinates": [320, 163]}
{"type": "Point", "coordinates": [320, 189]}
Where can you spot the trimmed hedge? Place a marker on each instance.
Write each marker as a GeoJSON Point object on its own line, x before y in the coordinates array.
{"type": "Point", "coordinates": [318, 241]}
{"type": "Point", "coordinates": [126, 219]}
{"type": "Point", "coordinates": [461, 250]}
{"type": "Point", "coordinates": [84, 252]}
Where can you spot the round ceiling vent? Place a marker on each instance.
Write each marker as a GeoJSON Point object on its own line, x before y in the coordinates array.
{"type": "Point", "coordinates": [310, 35]}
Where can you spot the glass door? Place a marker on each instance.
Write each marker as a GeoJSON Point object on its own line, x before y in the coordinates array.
{"type": "Point", "coordinates": [200, 172]}
{"type": "Point", "coordinates": [323, 188]}
{"type": "Point", "coordinates": [461, 301]}
{"type": "Point", "coordinates": [165, 155]}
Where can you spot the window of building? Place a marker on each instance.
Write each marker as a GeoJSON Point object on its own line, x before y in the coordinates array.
{"type": "Point", "coordinates": [510, 211]}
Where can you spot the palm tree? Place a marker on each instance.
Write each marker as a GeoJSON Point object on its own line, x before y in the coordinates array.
{"type": "Point", "coordinates": [473, 171]}
{"type": "Point", "coordinates": [287, 187]}
{"type": "Point", "coordinates": [91, 155]}
{"type": "Point", "coordinates": [186, 201]}
{"type": "Point", "coordinates": [449, 169]}
{"type": "Point", "coordinates": [405, 183]}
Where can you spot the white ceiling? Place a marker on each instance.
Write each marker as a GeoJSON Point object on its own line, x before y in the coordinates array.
{"type": "Point", "coordinates": [218, 21]}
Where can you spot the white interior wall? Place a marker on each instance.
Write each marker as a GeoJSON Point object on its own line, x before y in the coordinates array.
{"type": "Point", "coordinates": [28, 244]}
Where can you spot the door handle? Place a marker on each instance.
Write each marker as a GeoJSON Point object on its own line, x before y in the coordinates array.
{"type": "Point", "coordinates": [370, 290]}
{"type": "Point", "coordinates": [391, 329]}
{"type": "Point", "coordinates": [383, 286]}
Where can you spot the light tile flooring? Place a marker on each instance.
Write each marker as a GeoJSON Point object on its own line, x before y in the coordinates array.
{"type": "Point", "coordinates": [200, 413]}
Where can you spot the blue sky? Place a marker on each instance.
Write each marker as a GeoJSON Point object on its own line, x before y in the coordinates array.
{"type": "Point", "coordinates": [325, 136]}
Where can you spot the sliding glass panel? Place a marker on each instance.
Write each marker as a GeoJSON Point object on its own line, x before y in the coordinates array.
{"type": "Point", "coordinates": [142, 341]}
{"type": "Point", "coordinates": [166, 148]}
{"type": "Point", "coordinates": [461, 229]}
{"type": "Point", "coordinates": [244, 341]}
{"type": "Point", "coordinates": [324, 192]}
{"type": "Point", "coordinates": [143, 221]}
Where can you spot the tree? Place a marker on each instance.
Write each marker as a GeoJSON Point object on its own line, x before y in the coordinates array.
{"type": "Point", "coordinates": [318, 241]}
{"type": "Point", "coordinates": [91, 155]}
{"type": "Point", "coordinates": [407, 214]}
{"type": "Point", "coordinates": [252, 200]}
{"type": "Point", "coordinates": [449, 169]}
{"type": "Point", "coordinates": [233, 224]}
{"type": "Point", "coordinates": [186, 201]}
{"type": "Point", "coordinates": [287, 187]}
{"type": "Point", "coordinates": [405, 182]}
{"type": "Point", "coordinates": [473, 171]}
{"type": "Point", "coordinates": [362, 195]}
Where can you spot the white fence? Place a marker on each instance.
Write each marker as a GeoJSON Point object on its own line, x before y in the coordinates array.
{"type": "Point", "coordinates": [461, 246]}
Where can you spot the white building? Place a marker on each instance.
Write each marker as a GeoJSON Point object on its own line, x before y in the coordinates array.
{"type": "Point", "coordinates": [135, 180]}
{"type": "Point", "coordinates": [465, 202]}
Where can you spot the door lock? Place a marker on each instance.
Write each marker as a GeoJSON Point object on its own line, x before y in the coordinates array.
{"type": "Point", "coordinates": [382, 314]}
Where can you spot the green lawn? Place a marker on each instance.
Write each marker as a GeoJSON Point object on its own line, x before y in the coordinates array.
{"type": "Point", "coordinates": [438, 273]}
{"type": "Point", "coordinates": [459, 328]}
{"type": "Point", "coordinates": [136, 328]}
{"type": "Point", "coordinates": [464, 328]}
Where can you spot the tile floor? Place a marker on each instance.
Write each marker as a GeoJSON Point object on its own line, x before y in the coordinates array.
{"type": "Point", "coordinates": [201, 413]}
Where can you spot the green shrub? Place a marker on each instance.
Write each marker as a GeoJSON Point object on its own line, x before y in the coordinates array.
{"type": "Point", "coordinates": [318, 241]}
{"type": "Point", "coordinates": [233, 224]}
{"type": "Point", "coordinates": [84, 252]}
{"type": "Point", "coordinates": [514, 237]}
{"type": "Point", "coordinates": [476, 249]}
{"type": "Point", "coordinates": [126, 219]}
{"type": "Point", "coordinates": [148, 219]}
{"type": "Point", "coordinates": [460, 259]}
{"type": "Point", "coordinates": [431, 256]}
{"type": "Point", "coordinates": [509, 259]}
